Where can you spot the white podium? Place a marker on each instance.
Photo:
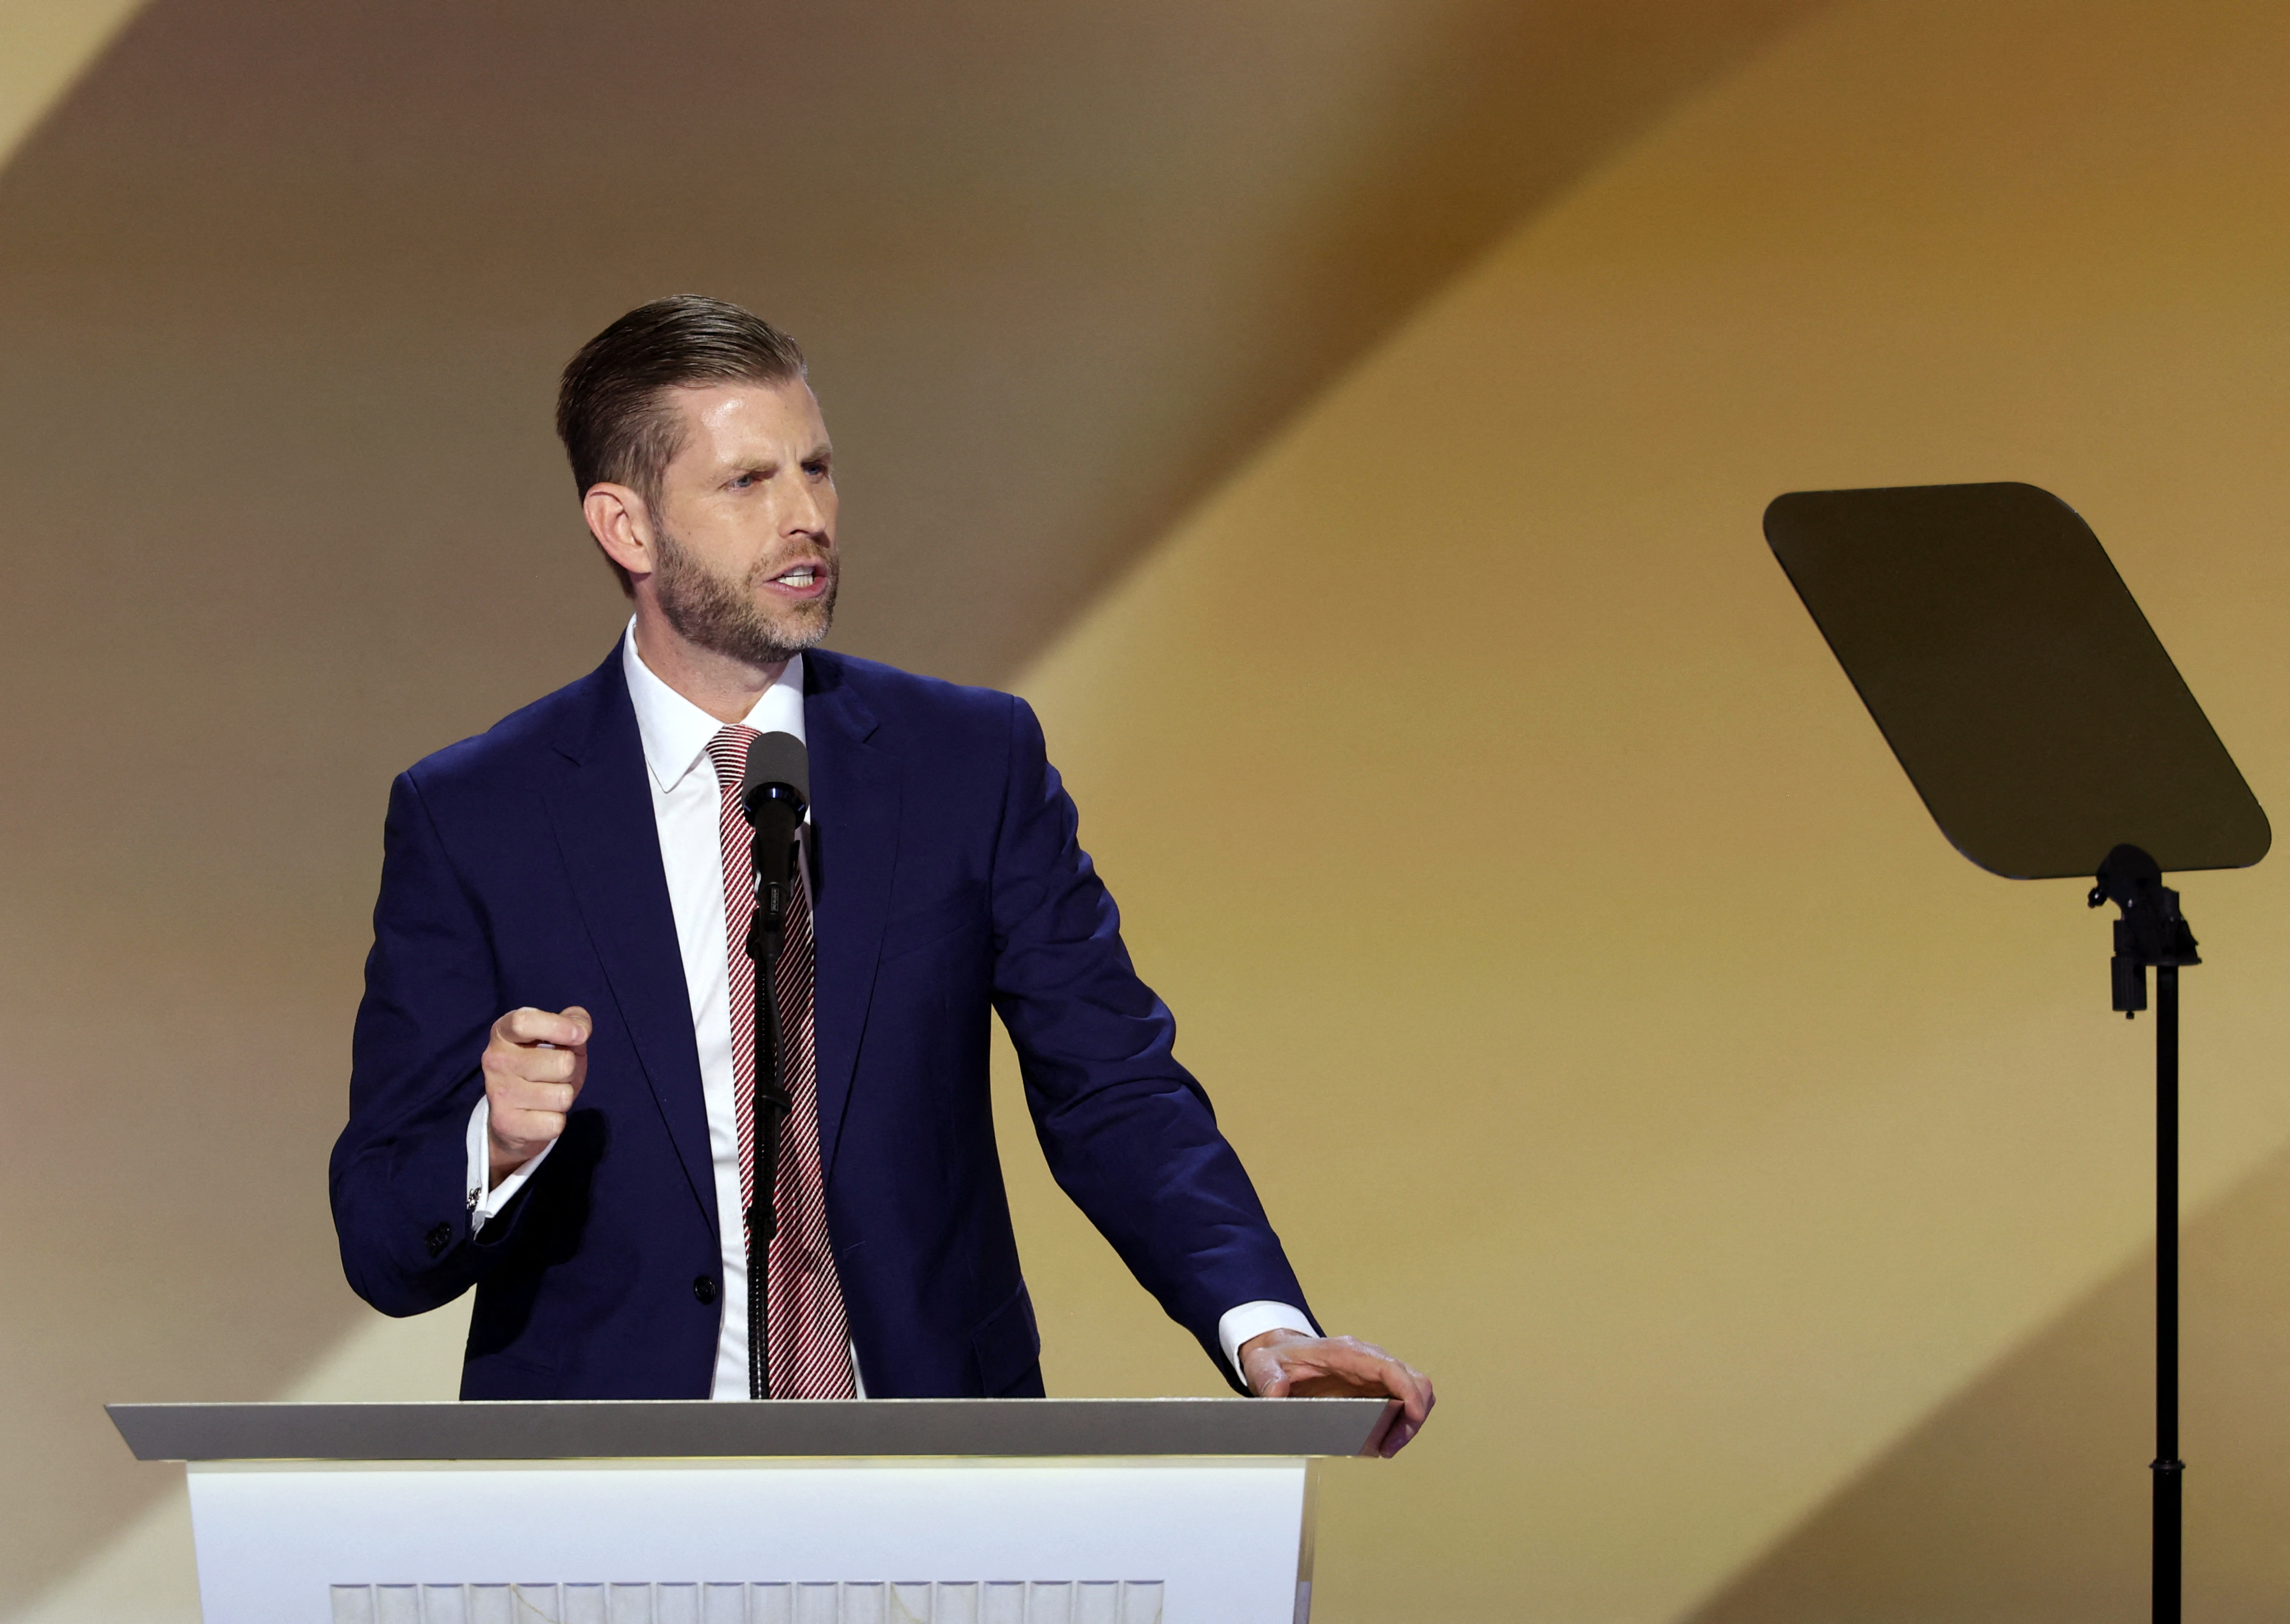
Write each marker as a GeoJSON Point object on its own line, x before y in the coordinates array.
{"type": "Point", "coordinates": [879, 1511]}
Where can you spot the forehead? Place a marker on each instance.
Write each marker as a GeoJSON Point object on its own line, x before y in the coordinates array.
{"type": "Point", "coordinates": [720, 421]}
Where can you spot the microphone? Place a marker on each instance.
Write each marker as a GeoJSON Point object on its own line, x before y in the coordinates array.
{"type": "Point", "coordinates": [774, 794]}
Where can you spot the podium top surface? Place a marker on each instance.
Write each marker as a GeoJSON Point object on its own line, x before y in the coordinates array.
{"type": "Point", "coordinates": [704, 1428]}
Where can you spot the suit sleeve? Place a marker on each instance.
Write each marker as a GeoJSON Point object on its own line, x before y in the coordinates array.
{"type": "Point", "coordinates": [400, 1169]}
{"type": "Point", "coordinates": [1128, 1132]}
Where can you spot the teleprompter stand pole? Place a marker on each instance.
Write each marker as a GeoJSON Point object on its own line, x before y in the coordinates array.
{"type": "Point", "coordinates": [2153, 931]}
{"type": "Point", "coordinates": [2170, 1471]}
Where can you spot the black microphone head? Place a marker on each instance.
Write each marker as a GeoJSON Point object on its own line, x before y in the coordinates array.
{"type": "Point", "coordinates": [779, 775]}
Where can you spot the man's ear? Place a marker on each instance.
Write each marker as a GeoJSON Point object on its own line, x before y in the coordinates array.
{"type": "Point", "coordinates": [621, 523]}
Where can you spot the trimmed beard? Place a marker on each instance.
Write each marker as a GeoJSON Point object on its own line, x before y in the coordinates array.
{"type": "Point", "coordinates": [710, 612]}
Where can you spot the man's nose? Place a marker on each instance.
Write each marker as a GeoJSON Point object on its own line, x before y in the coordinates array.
{"type": "Point", "coordinates": [806, 514]}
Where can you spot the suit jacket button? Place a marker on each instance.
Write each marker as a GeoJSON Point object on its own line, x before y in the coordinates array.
{"type": "Point", "coordinates": [704, 1289]}
{"type": "Point", "coordinates": [439, 1239]}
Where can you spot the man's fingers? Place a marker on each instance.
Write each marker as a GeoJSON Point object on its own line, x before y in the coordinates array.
{"type": "Point", "coordinates": [1345, 1367]}
{"type": "Point", "coordinates": [1396, 1439]}
{"type": "Point", "coordinates": [568, 1030]}
{"type": "Point", "coordinates": [529, 1025]}
{"type": "Point", "coordinates": [533, 1069]}
{"type": "Point", "coordinates": [510, 1068]}
{"type": "Point", "coordinates": [538, 1060]}
{"type": "Point", "coordinates": [1334, 1384]}
{"type": "Point", "coordinates": [1411, 1387]}
{"type": "Point", "coordinates": [521, 1096]}
{"type": "Point", "coordinates": [541, 1065]}
{"type": "Point", "coordinates": [1412, 1390]}
{"type": "Point", "coordinates": [1364, 1362]}
{"type": "Point", "coordinates": [1404, 1382]}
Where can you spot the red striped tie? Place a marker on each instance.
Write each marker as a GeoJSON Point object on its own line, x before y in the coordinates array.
{"type": "Point", "coordinates": [809, 1343]}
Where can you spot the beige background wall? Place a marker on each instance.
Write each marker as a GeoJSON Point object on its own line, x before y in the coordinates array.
{"type": "Point", "coordinates": [1393, 400]}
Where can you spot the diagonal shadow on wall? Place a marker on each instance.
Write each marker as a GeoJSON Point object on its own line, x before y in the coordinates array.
{"type": "Point", "coordinates": [2025, 1500]}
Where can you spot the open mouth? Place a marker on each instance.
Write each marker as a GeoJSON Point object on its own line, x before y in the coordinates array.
{"type": "Point", "coordinates": [801, 577]}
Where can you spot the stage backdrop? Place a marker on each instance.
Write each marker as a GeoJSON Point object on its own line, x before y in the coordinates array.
{"type": "Point", "coordinates": [1605, 1023]}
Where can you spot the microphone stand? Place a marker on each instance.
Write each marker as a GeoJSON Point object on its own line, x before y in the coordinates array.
{"type": "Point", "coordinates": [766, 936]}
{"type": "Point", "coordinates": [2152, 930]}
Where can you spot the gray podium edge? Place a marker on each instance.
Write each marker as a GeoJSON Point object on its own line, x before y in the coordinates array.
{"type": "Point", "coordinates": [700, 1428]}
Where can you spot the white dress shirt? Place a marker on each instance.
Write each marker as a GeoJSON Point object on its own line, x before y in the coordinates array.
{"type": "Point", "coordinates": [687, 804]}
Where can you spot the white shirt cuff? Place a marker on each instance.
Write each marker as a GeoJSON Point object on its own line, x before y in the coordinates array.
{"type": "Point", "coordinates": [1252, 1320]}
{"type": "Point", "coordinates": [486, 1204]}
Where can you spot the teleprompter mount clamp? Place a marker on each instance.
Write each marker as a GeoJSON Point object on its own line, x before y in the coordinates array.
{"type": "Point", "coordinates": [2153, 933]}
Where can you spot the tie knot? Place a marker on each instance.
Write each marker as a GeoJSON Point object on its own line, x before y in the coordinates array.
{"type": "Point", "coordinates": [729, 751]}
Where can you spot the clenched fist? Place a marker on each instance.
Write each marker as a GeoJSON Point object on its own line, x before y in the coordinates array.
{"type": "Point", "coordinates": [534, 1067]}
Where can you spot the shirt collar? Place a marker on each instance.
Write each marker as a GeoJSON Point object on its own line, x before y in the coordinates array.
{"type": "Point", "coordinates": [676, 731]}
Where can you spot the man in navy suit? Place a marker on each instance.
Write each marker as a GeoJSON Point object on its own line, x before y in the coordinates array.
{"type": "Point", "coordinates": [552, 1094]}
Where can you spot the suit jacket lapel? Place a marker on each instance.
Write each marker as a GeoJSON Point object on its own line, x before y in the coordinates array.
{"type": "Point", "coordinates": [854, 794]}
{"type": "Point", "coordinates": [601, 813]}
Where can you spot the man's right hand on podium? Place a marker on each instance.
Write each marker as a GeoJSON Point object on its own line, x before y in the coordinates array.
{"type": "Point", "coordinates": [534, 1067]}
{"type": "Point", "coordinates": [1292, 1365]}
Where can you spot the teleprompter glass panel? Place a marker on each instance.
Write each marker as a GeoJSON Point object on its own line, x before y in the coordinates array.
{"type": "Point", "coordinates": [2012, 672]}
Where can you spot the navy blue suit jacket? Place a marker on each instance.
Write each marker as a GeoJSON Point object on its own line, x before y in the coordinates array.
{"type": "Point", "coordinates": [523, 867]}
